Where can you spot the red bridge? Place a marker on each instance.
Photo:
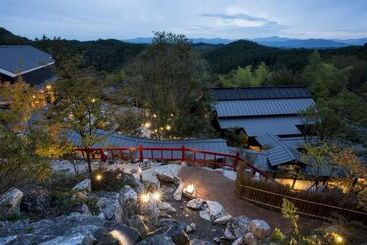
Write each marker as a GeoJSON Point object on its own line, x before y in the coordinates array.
{"type": "Point", "coordinates": [204, 158]}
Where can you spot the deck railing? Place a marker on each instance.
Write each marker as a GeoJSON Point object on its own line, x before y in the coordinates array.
{"type": "Point", "coordinates": [183, 153]}
{"type": "Point", "coordinates": [273, 201]}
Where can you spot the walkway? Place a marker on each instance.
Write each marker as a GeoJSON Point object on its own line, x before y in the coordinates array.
{"type": "Point", "coordinates": [212, 185]}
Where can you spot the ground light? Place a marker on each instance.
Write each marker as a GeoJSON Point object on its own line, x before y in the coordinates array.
{"type": "Point", "coordinates": [144, 197]}
{"type": "Point", "coordinates": [156, 196]}
{"type": "Point", "coordinates": [338, 238]}
{"type": "Point", "coordinates": [190, 189]}
{"type": "Point", "coordinates": [99, 177]}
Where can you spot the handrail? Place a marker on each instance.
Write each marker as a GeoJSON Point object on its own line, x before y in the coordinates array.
{"type": "Point", "coordinates": [215, 156]}
{"type": "Point", "coordinates": [305, 207]}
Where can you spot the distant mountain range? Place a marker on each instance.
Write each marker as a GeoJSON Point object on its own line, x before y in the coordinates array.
{"type": "Point", "coordinates": [279, 42]}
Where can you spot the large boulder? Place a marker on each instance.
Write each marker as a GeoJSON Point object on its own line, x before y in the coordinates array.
{"type": "Point", "coordinates": [137, 223]}
{"type": "Point", "coordinates": [10, 202]}
{"type": "Point", "coordinates": [72, 229]}
{"type": "Point", "coordinates": [128, 200]}
{"type": "Point", "coordinates": [178, 235]}
{"type": "Point", "coordinates": [204, 214]}
{"type": "Point", "coordinates": [150, 209]}
{"type": "Point", "coordinates": [85, 185]}
{"type": "Point", "coordinates": [176, 232]}
{"type": "Point", "coordinates": [121, 233]}
{"type": "Point", "coordinates": [157, 239]}
{"type": "Point", "coordinates": [196, 241]}
{"type": "Point", "coordinates": [166, 207]}
{"type": "Point", "coordinates": [165, 177]}
{"type": "Point", "coordinates": [223, 220]}
{"type": "Point", "coordinates": [76, 235]}
{"type": "Point", "coordinates": [111, 209]}
{"type": "Point", "coordinates": [215, 209]}
{"type": "Point", "coordinates": [237, 227]}
{"type": "Point", "coordinates": [129, 179]}
{"type": "Point", "coordinates": [177, 195]}
{"type": "Point", "coordinates": [35, 200]}
{"type": "Point", "coordinates": [195, 203]}
{"type": "Point", "coordinates": [260, 228]}
{"type": "Point", "coordinates": [250, 239]}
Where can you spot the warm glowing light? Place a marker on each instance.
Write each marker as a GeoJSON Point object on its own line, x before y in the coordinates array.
{"type": "Point", "coordinates": [156, 130]}
{"type": "Point", "coordinates": [93, 100]}
{"type": "Point", "coordinates": [171, 114]}
{"type": "Point", "coordinates": [190, 189]}
{"type": "Point", "coordinates": [147, 125]}
{"type": "Point", "coordinates": [120, 237]}
{"type": "Point", "coordinates": [161, 128]}
{"type": "Point", "coordinates": [157, 196]}
{"type": "Point", "coordinates": [168, 127]}
{"type": "Point", "coordinates": [144, 197]}
{"type": "Point", "coordinates": [338, 238]}
{"type": "Point", "coordinates": [48, 87]}
{"type": "Point", "coordinates": [33, 96]}
{"type": "Point", "coordinates": [71, 116]}
{"type": "Point", "coordinates": [98, 177]}
{"type": "Point", "coordinates": [154, 115]}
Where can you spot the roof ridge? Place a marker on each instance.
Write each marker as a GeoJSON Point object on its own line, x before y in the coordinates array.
{"type": "Point", "coordinates": [259, 87]}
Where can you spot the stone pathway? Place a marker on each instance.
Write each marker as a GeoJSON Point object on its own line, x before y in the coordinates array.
{"type": "Point", "coordinates": [212, 185]}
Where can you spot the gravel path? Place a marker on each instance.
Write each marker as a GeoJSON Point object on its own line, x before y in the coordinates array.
{"type": "Point", "coordinates": [212, 185]}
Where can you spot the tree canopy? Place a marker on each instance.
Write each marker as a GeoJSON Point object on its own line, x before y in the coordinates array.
{"type": "Point", "coordinates": [170, 81]}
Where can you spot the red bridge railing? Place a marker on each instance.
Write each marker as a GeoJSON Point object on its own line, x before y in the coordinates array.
{"type": "Point", "coordinates": [206, 158]}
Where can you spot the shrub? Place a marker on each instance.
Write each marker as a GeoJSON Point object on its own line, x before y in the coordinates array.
{"type": "Point", "coordinates": [334, 197]}
{"type": "Point", "coordinates": [107, 180]}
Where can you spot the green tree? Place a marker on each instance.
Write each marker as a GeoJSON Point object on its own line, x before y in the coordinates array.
{"type": "Point", "coordinates": [19, 163]}
{"type": "Point", "coordinates": [246, 76]}
{"type": "Point", "coordinates": [324, 79]}
{"type": "Point", "coordinates": [170, 81]}
{"type": "Point", "coordinates": [78, 105]}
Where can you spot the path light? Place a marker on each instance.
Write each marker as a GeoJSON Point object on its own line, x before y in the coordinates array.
{"type": "Point", "coordinates": [154, 115]}
{"type": "Point", "coordinates": [157, 196]}
{"type": "Point", "coordinates": [93, 100]}
{"type": "Point", "coordinates": [168, 127]}
{"type": "Point", "coordinates": [48, 87]}
{"type": "Point", "coordinates": [144, 197]}
{"type": "Point", "coordinates": [98, 177]}
{"type": "Point", "coordinates": [120, 237]}
{"type": "Point", "coordinates": [190, 189]}
{"type": "Point", "coordinates": [338, 238]}
{"type": "Point", "coordinates": [147, 125]}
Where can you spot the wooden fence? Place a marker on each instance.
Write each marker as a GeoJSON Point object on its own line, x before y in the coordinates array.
{"type": "Point", "coordinates": [273, 201]}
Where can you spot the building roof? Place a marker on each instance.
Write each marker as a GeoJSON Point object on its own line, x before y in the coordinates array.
{"type": "Point", "coordinates": [278, 152]}
{"type": "Point", "coordinates": [117, 140]}
{"type": "Point", "coordinates": [253, 93]}
{"type": "Point", "coordinates": [255, 126]}
{"type": "Point", "coordinates": [263, 107]}
{"type": "Point", "coordinates": [21, 59]}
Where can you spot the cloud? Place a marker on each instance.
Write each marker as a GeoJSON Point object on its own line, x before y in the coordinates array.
{"type": "Point", "coordinates": [241, 20]}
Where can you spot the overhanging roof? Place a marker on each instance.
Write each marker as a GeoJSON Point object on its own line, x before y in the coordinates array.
{"type": "Point", "coordinates": [252, 93]}
{"type": "Point", "coordinates": [278, 153]}
{"type": "Point", "coordinates": [257, 126]}
{"type": "Point", "coordinates": [264, 107]}
{"type": "Point", "coordinates": [117, 140]}
{"type": "Point", "coordinates": [20, 59]}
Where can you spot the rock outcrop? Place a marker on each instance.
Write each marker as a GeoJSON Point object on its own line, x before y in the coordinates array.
{"type": "Point", "coordinates": [10, 202]}
{"type": "Point", "coordinates": [260, 228]}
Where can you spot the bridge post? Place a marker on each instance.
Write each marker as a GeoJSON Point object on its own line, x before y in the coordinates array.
{"type": "Point", "coordinates": [236, 160]}
{"type": "Point", "coordinates": [140, 149]}
{"type": "Point", "coordinates": [183, 153]}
